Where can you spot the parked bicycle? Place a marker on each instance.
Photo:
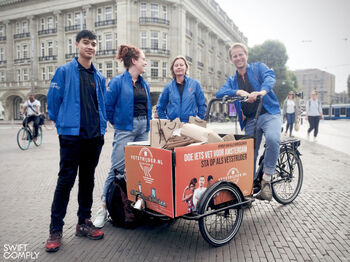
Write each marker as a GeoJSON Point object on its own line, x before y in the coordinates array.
{"type": "Point", "coordinates": [26, 135]}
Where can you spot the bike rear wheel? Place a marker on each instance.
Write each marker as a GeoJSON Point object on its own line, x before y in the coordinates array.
{"type": "Point", "coordinates": [220, 227]}
{"type": "Point", "coordinates": [288, 178]}
{"type": "Point", "coordinates": [23, 138]}
{"type": "Point", "coordinates": [39, 138]}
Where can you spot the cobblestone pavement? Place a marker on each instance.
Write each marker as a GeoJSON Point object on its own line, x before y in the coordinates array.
{"type": "Point", "coordinates": [315, 227]}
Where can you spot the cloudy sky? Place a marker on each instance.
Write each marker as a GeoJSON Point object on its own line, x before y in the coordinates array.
{"type": "Point", "coordinates": [315, 33]}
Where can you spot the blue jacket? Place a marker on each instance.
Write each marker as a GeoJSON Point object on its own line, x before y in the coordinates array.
{"type": "Point", "coordinates": [171, 106]}
{"type": "Point", "coordinates": [120, 101]}
{"type": "Point", "coordinates": [261, 78]}
{"type": "Point", "coordinates": [63, 99]}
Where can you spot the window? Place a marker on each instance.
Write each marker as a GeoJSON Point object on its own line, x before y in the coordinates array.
{"type": "Point", "coordinates": [143, 10]}
{"type": "Point", "coordinates": [143, 39]}
{"type": "Point", "coordinates": [69, 19]}
{"type": "Point", "coordinates": [165, 65]}
{"type": "Point", "coordinates": [109, 70]}
{"type": "Point", "coordinates": [154, 10]}
{"type": "Point", "coordinates": [42, 49]}
{"type": "Point", "coordinates": [154, 70]}
{"type": "Point", "coordinates": [50, 48]}
{"type": "Point", "coordinates": [18, 75]}
{"type": "Point", "coordinates": [17, 28]}
{"type": "Point", "coordinates": [116, 40]}
{"type": "Point", "coordinates": [25, 74]}
{"type": "Point", "coordinates": [108, 40]}
{"type": "Point", "coordinates": [77, 18]}
{"type": "Point", "coordinates": [50, 22]}
{"type": "Point", "coordinates": [70, 46]}
{"type": "Point", "coordinates": [154, 40]}
{"type": "Point", "coordinates": [100, 67]}
{"type": "Point", "coordinates": [43, 73]}
{"type": "Point", "coordinates": [2, 30]}
{"type": "Point", "coordinates": [25, 27]}
{"type": "Point", "coordinates": [99, 42]}
{"type": "Point", "coordinates": [25, 51]}
{"type": "Point", "coordinates": [99, 14]}
{"type": "Point", "coordinates": [18, 51]}
{"type": "Point", "coordinates": [164, 12]}
{"type": "Point", "coordinates": [2, 54]}
{"type": "Point", "coordinates": [42, 24]}
{"type": "Point", "coordinates": [164, 41]}
{"type": "Point", "coordinates": [108, 13]}
{"type": "Point", "coordinates": [2, 76]}
{"type": "Point", "coordinates": [50, 72]}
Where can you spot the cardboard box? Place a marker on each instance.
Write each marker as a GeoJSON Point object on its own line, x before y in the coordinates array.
{"type": "Point", "coordinates": [163, 176]}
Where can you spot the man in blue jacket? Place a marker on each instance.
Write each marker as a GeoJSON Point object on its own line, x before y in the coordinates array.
{"type": "Point", "coordinates": [75, 103]}
{"type": "Point", "coordinates": [255, 80]}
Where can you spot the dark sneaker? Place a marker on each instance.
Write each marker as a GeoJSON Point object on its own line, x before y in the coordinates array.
{"type": "Point", "coordinates": [54, 242]}
{"type": "Point", "coordinates": [265, 192]}
{"type": "Point", "coordinates": [89, 230]}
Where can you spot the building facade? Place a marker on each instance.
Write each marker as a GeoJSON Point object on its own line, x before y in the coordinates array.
{"type": "Point", "coordinates": [37, 36]}
{"type": "Point", "coordinates": [316, 79]}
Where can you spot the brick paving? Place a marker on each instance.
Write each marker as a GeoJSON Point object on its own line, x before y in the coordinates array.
{"type": "Point", "coordinates": [315, 227]}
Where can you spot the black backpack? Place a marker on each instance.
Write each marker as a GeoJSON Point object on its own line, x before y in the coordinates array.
{"type": "Point", "coordinates": [118, 205]}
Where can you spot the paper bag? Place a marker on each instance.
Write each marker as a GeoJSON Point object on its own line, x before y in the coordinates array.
{"type": "Point", "coordinates": [200, 134]}
{"type": "Point", "coordinates": [197, 121]}
{"type": "Point", "coordinates": [161, 130]}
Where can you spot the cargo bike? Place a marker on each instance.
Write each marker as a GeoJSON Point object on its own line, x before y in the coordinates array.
{"type": "Point", "coordinates": [209, 183]}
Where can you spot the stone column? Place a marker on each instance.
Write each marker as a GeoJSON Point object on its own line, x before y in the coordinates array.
{"type": "Point", "coordinates": [90, 18]}
{"type": "Point", "coordinates": [10, 72]}
{"type": "Point", "coordinates": [61, 56]}
{"type": "Point", "coordinates": [205, 37]}
{"type": "Point", "coordinates": [34, 45]}
{"type": "Point", "coordinates": [194, 52]}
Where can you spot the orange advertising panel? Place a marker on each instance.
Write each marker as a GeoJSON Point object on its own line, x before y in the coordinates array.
{"type": "Point", "coordinates": [149, 172]}
{"type": "Point", "coordinates": [198, 167]}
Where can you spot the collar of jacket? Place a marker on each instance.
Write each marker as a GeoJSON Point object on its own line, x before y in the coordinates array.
{"type": "Point", "coordinates": [185, 80]}
{"type": "Point", "coordinates": [128, 76]}
{"type": "Point", "coordinates": [75, 63]}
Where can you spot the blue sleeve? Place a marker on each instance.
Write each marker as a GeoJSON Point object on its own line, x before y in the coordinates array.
{"type": "Point", "coordinates": [163, 103]}
{"type": "Point", "coordinates": [111, 95]}
{"type": "Point", "coordinates": [227, 89]}
{"type": "Point", "coordinates": [202, 107]}
{"type": "Point", "coordinates": [55, 94]}
{"type": "Point", "coordinates": [267, 76]}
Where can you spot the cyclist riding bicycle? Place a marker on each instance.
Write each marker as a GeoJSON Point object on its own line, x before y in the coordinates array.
{"type": "Point", "coordinates": [255, 80]}
{"type": "Point", "coordinates": [31, 110]}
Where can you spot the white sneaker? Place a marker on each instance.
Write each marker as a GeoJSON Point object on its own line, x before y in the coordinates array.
{"type": "Point", "coordinates": [101, 218]}
{"type": "Point", "coordinates": [315, 140]}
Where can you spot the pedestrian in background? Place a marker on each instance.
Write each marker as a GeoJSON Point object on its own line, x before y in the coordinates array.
{"type": "Point", "coordinates": [290, 110]}
{"type": "Point", "coordinates": [313, 114]}
{"type": "Point", "coordinates": [75, 102]}
{"type": "Point", "coordinates": [129, 110]}
{"type": "Point", "coordinates": [183, 97]}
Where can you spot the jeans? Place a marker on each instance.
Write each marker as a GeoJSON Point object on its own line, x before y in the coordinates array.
{"type": "Point", "coordinates": [270, 126]}
{"type": "Point", "coordinates": [36, 121]}
{"type": "Point", "coordinates": [78, 153]}
{"type": "Point", "coordinates": [121, 138]}
{"type": "Point", "coordinates": [290, 121]}
{"type": "Point", "coordinates": [313, 121]}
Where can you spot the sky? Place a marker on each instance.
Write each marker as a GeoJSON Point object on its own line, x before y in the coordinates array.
{"type": "Point", "coordinates": [316, 33]}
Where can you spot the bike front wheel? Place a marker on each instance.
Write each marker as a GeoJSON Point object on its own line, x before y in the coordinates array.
{"type": "Point", "coordinates": [39, 138]}
{"type": "Point", "coordinates": [288, 178]}
{"type": "Point", "coordinates": [221, 224]}
{"type": "Point", "coordinates": [23, 138]}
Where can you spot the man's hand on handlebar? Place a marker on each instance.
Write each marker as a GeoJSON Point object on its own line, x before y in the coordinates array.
{"type": "Point", "coordinates": [253, 96]}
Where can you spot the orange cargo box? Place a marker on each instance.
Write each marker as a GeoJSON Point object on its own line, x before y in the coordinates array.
{"type": "Point", "coordinates": [172, 182]}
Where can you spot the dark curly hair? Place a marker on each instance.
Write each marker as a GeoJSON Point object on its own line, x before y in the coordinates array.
{"type": "Point", "coordinates": [126, 53]}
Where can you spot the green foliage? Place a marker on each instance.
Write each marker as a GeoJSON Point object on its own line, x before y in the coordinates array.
{"type": "Point", "coordinates": [274, 55]}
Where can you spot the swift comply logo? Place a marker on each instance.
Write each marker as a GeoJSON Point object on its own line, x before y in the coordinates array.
{"type": "Point", "coordinates": [19, 252]}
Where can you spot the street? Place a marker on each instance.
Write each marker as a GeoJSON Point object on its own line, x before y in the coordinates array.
{"type": "Point", "coordinates": [315, 227]}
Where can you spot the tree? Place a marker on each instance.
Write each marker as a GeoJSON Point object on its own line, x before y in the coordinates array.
{"type": "Point", "coordinates": [348, 85]}
{"type": "Point", "coordinates": [274, 55]}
